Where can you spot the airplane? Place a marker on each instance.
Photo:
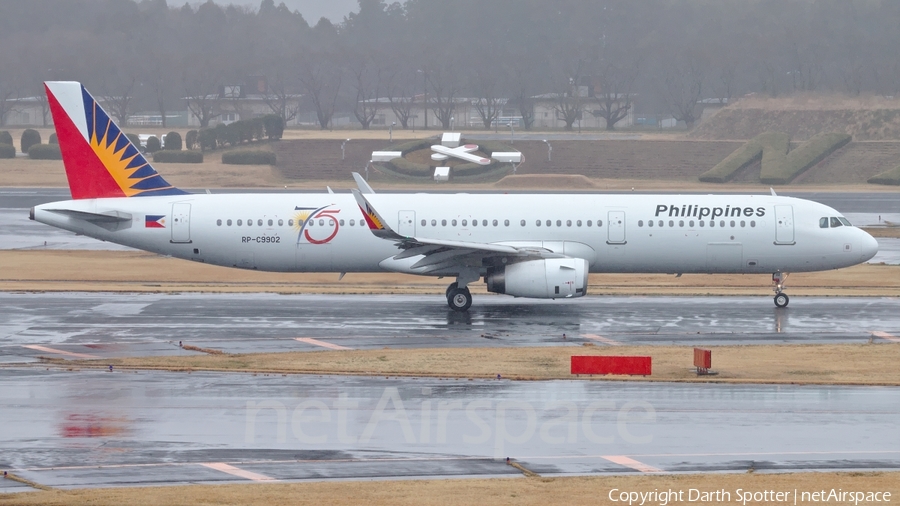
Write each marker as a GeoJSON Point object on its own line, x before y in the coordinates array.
{"type": "Point", "coordinates": [525, 245]}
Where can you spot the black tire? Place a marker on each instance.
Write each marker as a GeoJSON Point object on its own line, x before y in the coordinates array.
{"type": "Point", "coordinates": [459, 299]}
{"type": "Point", "coordinates": [781, 300]}
{"type": "Point", "coordinates": [452, 286]}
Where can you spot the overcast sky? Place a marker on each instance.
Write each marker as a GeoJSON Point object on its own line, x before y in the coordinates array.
{"type": "Point", "coordinates": [312, 10]}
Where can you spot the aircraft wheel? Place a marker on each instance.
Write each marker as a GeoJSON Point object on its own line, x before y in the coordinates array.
{"type": "Point", "coordinates": [781, 300]}
{"type": "Point", "coordinates": [450, 288]}
{"type": "Point", "coordinates": [459, 299]}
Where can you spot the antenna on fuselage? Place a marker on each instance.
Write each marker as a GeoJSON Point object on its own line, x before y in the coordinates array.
{"type": "Point", "coordinates": [773, 191]}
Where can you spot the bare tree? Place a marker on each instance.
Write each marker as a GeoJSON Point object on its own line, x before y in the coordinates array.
{"type": "Point", "coordinates": [321, 78]}
{"type": "Point", "coordinates": [616, 95]}
{"type": "Point", "coordinates": [400, 95]}
{"type": "Point", "coordinates": [682, 89]}
{"type": "Point", "coordinates": [488, 104]}
{"type": "Point", "coordinates": [201, 93]}
{"type": "Point", "coordinates": [445, 90]}
{"type": "Point", "coordinates": [367, 84]}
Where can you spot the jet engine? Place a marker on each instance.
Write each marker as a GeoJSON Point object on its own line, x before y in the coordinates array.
{"type": "Point", "coordinates": [540, 279]}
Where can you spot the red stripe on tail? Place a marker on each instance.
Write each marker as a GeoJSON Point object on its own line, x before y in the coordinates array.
{"type": "Point", "coordinates": [88, 177]}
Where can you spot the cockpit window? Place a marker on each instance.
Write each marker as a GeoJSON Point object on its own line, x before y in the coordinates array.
{"type": "Point", "coordinates": [835, 222]}
{"type": "Point", "coordinates": [823, 222]}
{"type": "Point", "coordinates": [845, 221]}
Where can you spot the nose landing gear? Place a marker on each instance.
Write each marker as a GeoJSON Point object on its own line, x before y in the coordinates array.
{"type": "Point", "coordinates": [781, 298]}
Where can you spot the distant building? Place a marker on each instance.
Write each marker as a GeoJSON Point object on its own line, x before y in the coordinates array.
{"type": "Point", "coordinates": [245, 101]}
{"type": "Point", "coordinates": [28, 112]}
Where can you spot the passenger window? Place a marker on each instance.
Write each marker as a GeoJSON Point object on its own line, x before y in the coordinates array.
{"type": "Point", "coordinates": [712, 223]}
{"type": "Point", "coordinates": [681, 223]}
{"type": "Point", "coordinates": [732, 223]}
{"type": "Point", "coordinates": [599, 223]}
{"type": "Point", "coordinates": [259, 222]}
{"type": "Point", "coordinates": [538, 223]}
{"type": "Point", "coordinates": [341, 222]}
{"type": "Point", "coordinates": [219, 222]}
{"type": "Point", "coordinates": [424, 222]}
{"type": "Point", "coordinates": [753, 223]}
{"type": "Point", "coordinates": [309, 223]}
{"type": "Point", "coordinates": [691, 224]}
{"type": "Point", "coordinates": [722, 223]}
{"type": "Point", "coordinates": [464, 222]}
{"type": "Point", "coordinates": [589, 223]}
{"type": "Point", "coordinates": [443, 223]}
{"type": "Point", "coordinates": [249, 223]}
{"type": "Point", "coordinates": [228, 223]}
{"type": "Point", "coordinates": [505, 223]}
{"type": "Point", "coordinates": [649, 223]}
{"type": "Point", "coordinates": [484, 223]}
{"type": "Point", "coordinates": [239, 223]}
{"type": "Point", "coordinates": [568, 223]}
{"type": "Point", "coordinates": [280, 223]}
{"type": "Point", "coordinates": [743, 223]}
{"type": "Point", "coordinates": [291, 223]}
{"type": "Point", "coordinates": [823, 222]}
{"type": "Point", "coordinates": [835, 222]}
{"type": "Point", "coordinates": [352, 223]}
{"type": "Point", "coordinates": [270, 223]}
{"type": "Point", "coordinates": [640, 223]}
{"type": "Point", "coordinates": [578, 223]}
{"type": "Point", "coordinates": [660, 223]}
{"type": "Point", "coordinates": [522, 223]}
{"type": "Point", "coordinates": [549, 223]}
{"type": "Point", "coordinates": [558, 223]}
{"type": "Point", "coordinates": [433, 223]}
{"type": "Point", "coordinates": [321, 222]}
{"type": "Point", "coordinates": [495, 223]}
{"type": "Point", "coordinates": [453, 222]}
{"type": "Point", "coordinates": [701, 223]}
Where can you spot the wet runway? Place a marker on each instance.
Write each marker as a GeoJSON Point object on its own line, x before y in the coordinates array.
{"type": "Point", "coordinates": [97, 325]}
{"type": "Point", "coordinates": [93, 428]}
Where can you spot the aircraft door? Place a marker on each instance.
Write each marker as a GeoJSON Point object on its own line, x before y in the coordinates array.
{"type": "Point", "coordinates": [407, 226]}
{"type": "Point", "coordinates": [616, 227]}
{"type": "Point", "coordinates": [181, 222]}
{"type": "Point", "coordinates": [784, 225]}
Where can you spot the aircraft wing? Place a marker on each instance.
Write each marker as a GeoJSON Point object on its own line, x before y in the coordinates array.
{"type": "Point", "coordinates": [440, 253]}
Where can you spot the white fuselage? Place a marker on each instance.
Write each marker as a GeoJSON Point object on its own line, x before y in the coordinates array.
{"type": "Point", "coordinates": [327, 233]}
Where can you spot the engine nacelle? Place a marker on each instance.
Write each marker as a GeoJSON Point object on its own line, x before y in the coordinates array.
{"type": "Point", "coordinates": [540, 279]}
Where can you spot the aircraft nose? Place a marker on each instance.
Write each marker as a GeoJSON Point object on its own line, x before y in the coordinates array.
{"type": "Point", "coordinates": [869, 247]}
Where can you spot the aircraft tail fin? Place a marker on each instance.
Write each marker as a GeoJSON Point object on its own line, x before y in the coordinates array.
{"type": "Point", "coordinates": [99, 160]}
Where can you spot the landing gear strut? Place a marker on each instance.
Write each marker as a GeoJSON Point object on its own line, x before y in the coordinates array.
{"type": "Point", "coordinates": [781, 298]}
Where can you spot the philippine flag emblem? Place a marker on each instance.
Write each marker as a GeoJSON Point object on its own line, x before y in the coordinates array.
{"type": "Point", "coordinates": [155, 221]}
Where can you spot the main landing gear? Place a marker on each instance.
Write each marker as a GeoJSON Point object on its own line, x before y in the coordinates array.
{"type": "Point", "coordinates": [459, 299]}
{"type": "Point", "coordinates": [781, 298]}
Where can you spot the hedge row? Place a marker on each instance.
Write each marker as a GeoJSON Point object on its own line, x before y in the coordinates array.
{"type": "Point", "coordinates": [7, 150]}
{"type": "Point", "coordinates": [44, 152]}
{"type": "Point", "coordinates": [774, 143]}
{"type": "Point", "coordinates": [254, 157]}
{"type": "Point", "coordinates": [811, 152]}
{"type": "Point", "coordinates": [891, 177]}
{"type": "Point", "coordinates": [178, 156]}
{"type": "Point", "coordinates": [5, 137]}
{"type": "Point", "coordinates": [269, 127]}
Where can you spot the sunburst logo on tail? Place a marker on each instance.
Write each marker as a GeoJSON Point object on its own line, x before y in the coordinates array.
{"type": "Point", "coordinates": [127, 166]}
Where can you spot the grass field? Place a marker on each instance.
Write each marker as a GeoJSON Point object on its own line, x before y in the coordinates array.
{"type": "Point", "coordinates": [867, 363]}
{"type": "Point", "coordinates": [536, 491]}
